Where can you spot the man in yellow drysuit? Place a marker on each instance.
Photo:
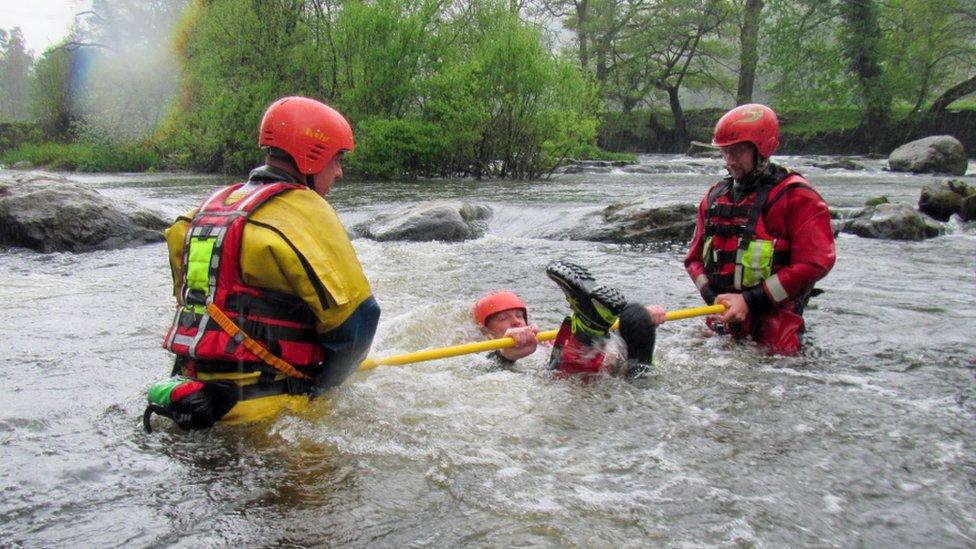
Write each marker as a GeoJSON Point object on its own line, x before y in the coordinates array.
{"type": "Point", "coordinates": [273, 305]}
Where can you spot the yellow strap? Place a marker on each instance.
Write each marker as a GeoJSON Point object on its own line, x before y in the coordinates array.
{"type": "Point", "coordinates": [259, 351]}
{"type": "Point", "coordinates": [505, 342]}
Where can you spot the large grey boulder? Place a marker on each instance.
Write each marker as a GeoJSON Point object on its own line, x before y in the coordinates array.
{"type": "Point", "coordinates": [638, 222]}
{"type": "Point", "coordinates": [892, 221]}
{"type": "Point", "coordinates": [935, 154]}
{"type": "Point", "coordinates": [449, 221]}
{"type": "Point", "coordinates": [944, 198]}
{"type": "Point", "coordinates": [48, 213]}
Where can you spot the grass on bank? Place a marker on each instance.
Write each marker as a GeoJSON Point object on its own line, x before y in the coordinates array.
{"type": "Point", "coordinates": [89, 157]}
{"type": "Point", "coordinates": [618, 131]}
{"type": "Point", "coordinates": [810, 131]}
{"type": "Point", "coordinates": [85, 157]}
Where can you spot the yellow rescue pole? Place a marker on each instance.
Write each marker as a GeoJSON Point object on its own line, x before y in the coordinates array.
{"type": "Point", "coordinates": [504, 342]}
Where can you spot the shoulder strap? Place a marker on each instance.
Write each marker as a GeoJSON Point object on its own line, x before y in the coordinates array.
{"type": "Point", "coordinates": [749, 233]}
{"type": "Point", "coordinates": [792, 181]}
{"type": "Point", "coordinates": [718, 190]}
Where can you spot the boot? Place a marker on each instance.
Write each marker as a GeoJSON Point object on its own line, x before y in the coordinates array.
{"type": "Point", "coordinates": [595, 307]}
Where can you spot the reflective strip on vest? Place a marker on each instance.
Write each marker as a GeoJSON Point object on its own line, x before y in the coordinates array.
{"type": "Point", "coordinates": [243, 205]}
{"type": "Point", "coordinates": [199, 262]}
{"type": "Point", "coordinates": [183, 340]}
{"type": "Point", "coordinates": [211, 198]}
{"type": "Point", "coordinates": [201, 329]}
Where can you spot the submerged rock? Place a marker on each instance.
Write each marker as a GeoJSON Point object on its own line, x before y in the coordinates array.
{"type": "Point", "coordinates": [942, 199]}
{"type": "Point", "coordinates": [967, 210]}
{"type": "Point", "coordinates": [49, 213]}
{"type": "Point", "coordinates": [697, 148]}
{"type": "Point", "coordinates": [935, 154]}
{"type": "Point", "coordinates": [449, 221]}
{"type": "Point", "coordinates": [593, 166]}
{"type": "Point", "coordinates": [638, 222]}
{"type": "Point", "coordinates": [842, 163]}
{"type": "Point", "coordinates": [892, 221]}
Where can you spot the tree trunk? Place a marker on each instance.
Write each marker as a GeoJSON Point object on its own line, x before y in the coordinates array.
{"type": "Point", "coordinates": [582, 33]}
{"type": "Point", "coordinates": [602, 72]}
{"type": "Point", "coordinates": [863, 49]}
{"type": "Point", "coordinates": [961, 89]}
{"type": "Point", "coordinates": [661, 134]}
{"type": "Point", "coordinates": [680, 126]}
{"type": "Point", "coordinates": [749, 56]}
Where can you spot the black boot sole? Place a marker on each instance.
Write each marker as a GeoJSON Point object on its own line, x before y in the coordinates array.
{"type": "Point", "coordinates": [580, 287]}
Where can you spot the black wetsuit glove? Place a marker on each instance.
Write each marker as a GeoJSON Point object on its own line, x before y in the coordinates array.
{"type": "Point", "coordinates": [708, 294]}
{"type": "Point", "coordinates": [756, 299]}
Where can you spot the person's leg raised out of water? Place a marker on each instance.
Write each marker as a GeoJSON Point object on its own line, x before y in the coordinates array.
{"type": "Point", "coordinates": [579, 346]}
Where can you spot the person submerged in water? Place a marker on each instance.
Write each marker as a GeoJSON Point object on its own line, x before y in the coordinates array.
{"type": "Point", "coordinates": [504, 314]}
{"type": "Point", "coordinates": [584, 344]}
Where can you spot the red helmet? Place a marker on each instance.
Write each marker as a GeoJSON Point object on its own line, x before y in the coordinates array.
{"type": "Point", "coordinates": [308, 130]}
{"type": "Point", "coordinates": [497, 302]}
{"type": "Point", "coordinates": [754, 123]}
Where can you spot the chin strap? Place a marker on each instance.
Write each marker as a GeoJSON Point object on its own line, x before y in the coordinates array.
{"type": "Point", "coordinates": [761, 165]}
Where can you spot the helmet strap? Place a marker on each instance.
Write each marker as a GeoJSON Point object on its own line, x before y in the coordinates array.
{"type": "Point", "coordinates": [759, 164]}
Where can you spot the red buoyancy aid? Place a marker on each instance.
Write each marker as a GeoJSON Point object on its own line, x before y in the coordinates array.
{"type": "Point", "coordinates": [739, 250]}
{"type": "Point", "coordinates": [211, 273]}
{"type": "Point", "coordinates": [774, 237]}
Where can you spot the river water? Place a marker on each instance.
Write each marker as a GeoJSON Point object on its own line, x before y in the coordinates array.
{"type": "Point", "coordinates": [866, 439]}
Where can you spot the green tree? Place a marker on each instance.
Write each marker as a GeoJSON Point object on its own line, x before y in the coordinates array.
{"type": "Point", "coordinates": [51, 91]}
{"type": "Point", "coordinates": [870, 55]}
{"type": "Point", "coordinates": [237, 57]}
{"type": "Point", "coordinates": [748, 50]}
{"type": "Point", "coordinates": [499, 104]}
{"type": "Point", "coordinates": [930, 51]}
{"type": "Point", "coordinates": [800, 55]}
{"type": "Point", "coordinates": [16, 63]}
{"type": "Point", "coordinates": [385, 49]}
{"type": "Point", "coordinates": [432, 87]}
{"type": "Point", "coordinates": [540, 107]}
{"type": "Point", "coordinates": [676, 45]}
